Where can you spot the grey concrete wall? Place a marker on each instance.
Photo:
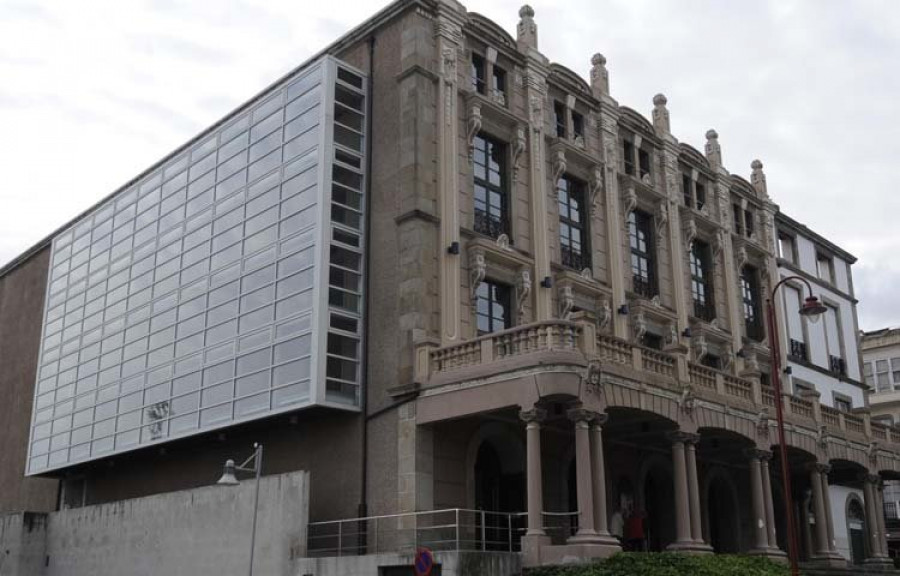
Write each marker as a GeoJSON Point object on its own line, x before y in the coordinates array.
{"type": "Point", "coordinates": [22, 290]}
{"type": "Point", "coordinates": [22, 543]}
{"type": "Point", "coordinates": [451, 564]}
{"type": "Point", "coordinates": [196, 532]}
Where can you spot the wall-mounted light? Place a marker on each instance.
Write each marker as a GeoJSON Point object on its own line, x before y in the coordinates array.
{"type": "Point", "coordinates": [740, 353]}
{"type": "Point", "coordinates": [623, 309]}
{"type": "Point", "coordinates": [686, 333]}
{"type": "Point", "coordinates": [547, 282]}
{"type": "Point", "coordinates": [453, 248]}
{"type": "Point", "coordinates": [788, 370]}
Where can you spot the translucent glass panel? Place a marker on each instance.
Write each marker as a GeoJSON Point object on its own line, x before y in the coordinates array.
{"type": "Point", "coordinates": [187, 301]}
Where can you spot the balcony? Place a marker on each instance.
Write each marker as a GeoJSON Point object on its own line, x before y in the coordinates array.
{"type": "Point", "coordinates": [491, 225]}
{"type": "Point", "coordinates": [553, 345]}
{"type": "Point", "coordinates": [643, 287]}
{"type": "Point", "coordinates": [574, 259]}
{"type": "Point", "coordinates": [704, 311]}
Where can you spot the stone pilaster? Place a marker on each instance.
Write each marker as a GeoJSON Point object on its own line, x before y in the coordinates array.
{"type": "Point", "coordinates": [448, 40]}
{"type": "Point", "coordinates": [535, 538]}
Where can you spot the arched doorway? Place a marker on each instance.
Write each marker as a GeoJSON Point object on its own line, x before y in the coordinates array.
{"type": "Point", "coordinates": [723, 515]}
{"type": "Point", "coordinates": [657, 507]}
{"type": "Point", "coordinates": [856, 529]}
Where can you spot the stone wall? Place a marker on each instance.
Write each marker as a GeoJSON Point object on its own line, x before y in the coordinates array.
{"type": "Point", "coordinates": [197, 532]}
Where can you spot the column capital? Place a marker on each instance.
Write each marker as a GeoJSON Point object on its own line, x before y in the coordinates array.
{"type": "Point", "coordinates": [600, 418]}
{"type": "Point", "coordinates": [873, 479]}
{"type": "Point", "coordinates": [819, 467]}
{"type": "Point", "coordinates": [757, 454]}
{"type": "Point", "coordinates": [535, 415]}
{"type": "Point", "coordinates": [581, 415]}
{"type": "Point", "coordinates": [678, 436]}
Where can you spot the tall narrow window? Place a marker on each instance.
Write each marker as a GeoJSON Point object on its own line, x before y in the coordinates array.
{"type": "Point", "coordinates": [686, 185]}
{"type": "Point", "coordinates": [748, 223]}
{"type": "Point", "coordinates": [895, 371]}
{"type": "Point", "coordinates": [797, 338]}
{"type": "Point", "coordinates": [628, 156]}
{"type": "Point", "coordinates": [750, 298]}
{"type": "Point", "coordinates": [785, 247]}
{"type": "Point", "coordinates": [577, 125]}
{"type": "Point", "coordinates": [499, 83]}
{"type": "Point", "coordinates": [867, 374]}
{"type": "Point", "coordinates": [643, 253]}
{"type": "Point", "coordinates": [494, 307]}
{"type": "Point", "coordinates": [700, 191]}
{"type": "Point", "coordinates": [833, 340]}
{"type": "Point", "coordinates": [559, 113]}
{"type": "Point", "coordinates": [644, 161]}
{"type": "Point", "coordinates": [479, 71]}
{"type": "Point", "coordinates": [491, 187]}
{"type": "Point", "coordinates": [701, 281]}
{"type": "Point", "coordinates": [738, 213]}
{"type": "Point", "coordinates": [573, 232]}
{"type": "Point", "coordinates": [882, 376]}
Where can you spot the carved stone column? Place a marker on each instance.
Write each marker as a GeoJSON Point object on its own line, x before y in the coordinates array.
{"type": "Point", "coordinates": [875, 522]}
{"type": "Point", "coordinates": [683, 540]}
{"type": "Point", "coordinates": [769, 502]}
{"type": "Point", "coordinates": [598, 469]}
{"type": "Point", "coordinates": [694, 488]}
{"type": "Point", "coordinates": [825, 552]}
{"type": "Point", "coordinates": [583, 481]}
{"type": "Point", "coordinates": [448, 40]}
{"type": "Point", "coordinates": [878, 488]}
{"type": "Point", "coordinates": [757, 495]}
{"type": "Point", "coordinates": [534, 481]}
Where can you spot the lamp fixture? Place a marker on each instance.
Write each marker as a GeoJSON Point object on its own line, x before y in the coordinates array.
{"type": "Point", "coordinates": [686, 333]}
{"type": "Point", "coordinates": [812, 309]}
{"type": "Point", "coordinates": [228, 478]}
{"type": "Point", "coordinates": [453, 248]}
{"type": "Point", "coordinates": [740, 353]}
{"type": "Point", "coordinates": [547, 282]}
{"type": "Point", "coordinates": [623, 309]}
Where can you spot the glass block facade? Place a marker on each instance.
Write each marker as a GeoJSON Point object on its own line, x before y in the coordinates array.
{"type": "Point", "coordinates": [224, 285]}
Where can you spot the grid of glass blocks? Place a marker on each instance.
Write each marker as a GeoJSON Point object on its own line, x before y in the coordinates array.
{"type": "Point", "coordinates": [193, 298]}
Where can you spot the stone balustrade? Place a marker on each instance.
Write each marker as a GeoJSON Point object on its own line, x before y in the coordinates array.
{"type": "Point", "coordinates": [670, 369]}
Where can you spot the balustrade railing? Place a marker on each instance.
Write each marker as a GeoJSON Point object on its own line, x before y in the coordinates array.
{"type": "Point", "coordinates": [615, 350]}
{"type": "Point", "coordinates": [801, 407]}
{"type": "Point", "coordinates": [738, 387]}
{"type": "Point", "coordinates": [702, 376]}
{"type": "Point", "coordinates": [853, 423]}
{"type": "Point", "coordinates": [831, 416]}
{"type": "Point", "coordinates": [657, 362]}
{"type": "Point", "coordinates": [879, 431]}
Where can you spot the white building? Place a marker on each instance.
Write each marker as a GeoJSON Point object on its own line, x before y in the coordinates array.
{"type": "Point", "coordinates": [822, 357]}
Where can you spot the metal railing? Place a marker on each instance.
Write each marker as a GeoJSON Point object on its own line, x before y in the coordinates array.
{"type": "Point", "coordinates": [452, 529]}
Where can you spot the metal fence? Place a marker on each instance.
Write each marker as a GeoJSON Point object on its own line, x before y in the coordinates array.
{"type": "Point", "coordinates": [440, 530]}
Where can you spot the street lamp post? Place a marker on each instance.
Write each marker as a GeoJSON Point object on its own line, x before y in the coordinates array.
{"type": "Point", "coordinates": [811, 309]}
{"type": "Point", "coordinates": [230, 479]}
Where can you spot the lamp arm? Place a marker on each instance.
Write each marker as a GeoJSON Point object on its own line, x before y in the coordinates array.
{"type": "Point", "coordinates": [788, 278]}
{"type": "Point", "coordinates": [253, 458]}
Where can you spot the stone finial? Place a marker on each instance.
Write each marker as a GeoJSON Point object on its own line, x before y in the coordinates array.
{"type": "Point", "coordinates": [661, 115]}
{"type": "Point", "coordinates": [758, 179]}
{"type": "Point", "coordinates": [526, 36]}
{"type": "Point", "coordinates": [713, 149]}
{"type": "Point", "coordinates": [599, 76]}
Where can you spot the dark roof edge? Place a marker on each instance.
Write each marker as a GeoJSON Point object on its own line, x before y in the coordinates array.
{"type": "Point", "coordinates": [783, 218]}
{"type": "Point", "coordinates": [354, 35]}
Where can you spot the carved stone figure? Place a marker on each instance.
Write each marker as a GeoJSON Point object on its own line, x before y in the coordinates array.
{"type": "Point", "coordinates": [523, 291]}
{"type": "Point", "coordinates": [701, 349]}
{"type": "Point", "coordinates": [519, 145]}
{"type": "Point", "coordinates": [629, 201]}
{"type": "Point", "coordinates": [566, 301]}
{"type": "Point", "coordinates": [639, 327]}
{"type": "Point", "coordinates": [477, 271]}
{"type": "Point", "coordinates": [604, 314]}
{"type": "Point", "coordinates": [473, 126]}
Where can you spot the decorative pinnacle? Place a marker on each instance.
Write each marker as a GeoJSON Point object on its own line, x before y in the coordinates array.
{"type": "Point", "coordinates": [598, 59]}
{"type": "Point", "coordinates": [712, 134]}
{"type": "Point", "coordinates": [526, 11]}
{"type": "Point", "coordinates": [756, 165]}
{"type": "Point", "coordinates": [660, 100]}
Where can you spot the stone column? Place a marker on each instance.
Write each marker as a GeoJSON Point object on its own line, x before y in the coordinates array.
{"type": "Point", "coordinates": [805, 531]}
{"type": "Point", "coordinates": [682, 507]}
{"type": "Point", "coordinates": [757, 495]}
{"type": "Point", "coordinates": [871, 518]}
{"type": "Point", "coordinates": [694, 488]}
{"type": "Point", "coordinates": [583, 481]}
{"type": "Point", "coordinates": [768, 500]}
{"type": "Point", "coordinates": [598, 473]}
{"type": "Point", "coordinates": [815, 478]}
{"type": "Point", "coordinates": [829, 518]}
{"type": "Point", "coordinates": [878, 489]}
{"type": "Point", "coordinates": [824, 528]}
{"type": "Point", "coordinates": [534, 483]}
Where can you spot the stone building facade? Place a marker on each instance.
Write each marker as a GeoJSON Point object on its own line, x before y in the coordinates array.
{"type": "Point", "coordinates": [565, 348]}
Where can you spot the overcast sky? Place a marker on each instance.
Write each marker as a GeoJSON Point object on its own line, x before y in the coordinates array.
{"type": "Point", "coordinates": [93, 92]}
